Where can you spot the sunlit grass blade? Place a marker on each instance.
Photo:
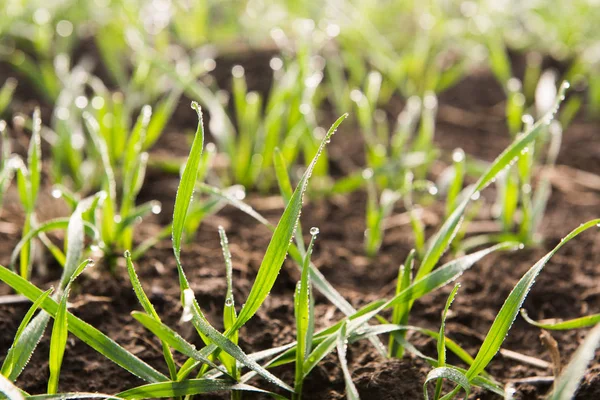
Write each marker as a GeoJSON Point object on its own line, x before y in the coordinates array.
{"type": "Point", "coordinates": [560, 325]}
{"type": "Point", "coordinates": [278, 246]}
{"type": "Point", "coordinates": [351, 392]}
{"type": "Point", "coordinates": [60, 332]}
{"type": "Point", "coordinates": [507, 314]}
{"type": "Point", "coordinates": [88, 334]}
{"type": "Point", "coordinates": [443, 237]}
{"type": "Point", "coordinates": [75, 395]}
{"type": "Point", "coordinates": [400, 312]}
{"type": "Point", "coordinates": [8, 389]}
{"type": "Point", "coordinates": [50, 225]}
{"type": "Point", "coordinates": [302, 314]}
{"type": "Point", "coordinates": [149, 308]}
{"type": "Point", "coordinates": [16, 351]}
{"type": "Point", "coordinates": [188, 387]}
{"type": "Point", "coordinates": [229, 313]}
{"type": "Point", "coordinates": [441, 344]}
{"type": "Point", "coordinates": [172, 338]}
{"type": "Point", "coordinates": [566, 384]}
{"type": "Point", "coordinates": [451, 374]}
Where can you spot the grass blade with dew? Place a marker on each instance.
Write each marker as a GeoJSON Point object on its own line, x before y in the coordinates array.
{"type": "Point", "coordinates": [149, 308]}
{"type": "Point", "coordinates": [302, 311]}
{"type": "Point", "coordinates": [182, 203]}
{"type": "Point", "coordinates": [172, 338]}
{"type": "Point", "coordinates": [229, 313]}
{"type": "Point", "coordinates": [400, 312]}
{"type": "Point", "coordinates": [451, 374]}
{"type": "Point", "coordinates": [560, 325]}
{"type": "Point", "coordinates": [8, 389]}
{"type": "Point", "coordinates": [50, 225]}
{"type": "Point", "coordinates": [16, 349]}
{"type": "Point", "coordinates": [28, 182]}
{"type": "Point", "coordinates": [188, 387]}
{"type": "Point", "coordinates": [342, 346]}
{"type": "Point", "coordinates": [278, 246]}
{"type": "Point", "coordinates": [443, 237]}
{"type": "Point", "coordinates": [88, 334]}
{"type": "Point", "coordinates": [507, 314]}
{"type": "Point", "coordinates": [566, 384]}
{"type": "Point", "coordinates": [60, 332]}
{"type": "Point", "coordinates": [441, 347]}
{"type": "Point", "coordinates": [73, 395]}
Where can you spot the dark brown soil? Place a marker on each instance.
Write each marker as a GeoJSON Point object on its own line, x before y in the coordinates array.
{"type": "Point", "coordinates": [567, 288]}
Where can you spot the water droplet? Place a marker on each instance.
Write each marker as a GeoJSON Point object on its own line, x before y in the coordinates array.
{"type": "Point", "coordinates": [126, 254]}
{"type": "Point", "coordinates": [432, 190]}
{"type": "Point", "coordinates": [521, 246]}
{"type": "Point", "coordinates": [156, 208]}
{"type": "Point", "coordinates": [229, 302]}
{"type": "Point", "coordinates": [94, 248]}
{"type": "Point", "coordinates": [367, 173]}
{"type": "Point", "coordinates": [117, 219]}
{"type": "Point", "coordinates": [458, 155]}
{"type": "Point", "coordinates": [314, 231]}
{"type": "Point", "coordinates": [237, 71]}
{"type": "Point", "coordinates": [475, 196]}
{"type": "Point", "coordinates": [57, 193]}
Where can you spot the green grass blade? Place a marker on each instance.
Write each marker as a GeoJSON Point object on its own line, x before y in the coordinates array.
{"type": "Point", "coordinates": [60, 332]}
{"type": "Point", "coordinates": [187, 387]}
{"type": "Point", "coordinates": [9, 389]}
{"type": "Point", "coordinates": [225, 344]}
{"type": "Point", "coordinates": [185, 191]}
{"type": "Point", "coordinates": [507, 314]}
{"type": "Point", "coordinates": [559, 325]}
{"type": "Point", "coordinates": [88, 334]}
{"type": "Point", "coordinates": [76, 395]}
{"type": "Point", "coordinates": [149, 308]}
{"type": "Point", "coordinates": [172, 338]}
{"type": "Point", "coordinates": [451, 374]}
{"type": "Point", "coordinates": [568, 381]}
{"type": "Point", "coordinates": [34, 157]}
{"type": "Point", "coordinates": [342, 345]}
{"type": "Point", "coordinates": [278, 246]}
{"type": "Point", "coordinates": [441, 341]}
{"type": "Point", "coordinates": [50, 225]}
{"type": "Point", "coordinates": [16, 349]}
{"type": "Point", "coordinates": [443, 237]}
{"type": "Point", "coordinates": [229, 314]}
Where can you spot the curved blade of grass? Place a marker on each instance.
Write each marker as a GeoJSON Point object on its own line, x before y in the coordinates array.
{"type": "Point", "coordinates": [50, 225]}
{"type": "Point", "coordinates": [185, 191]}
{"type": "Point", "coordinates": [229, 314]}
{"type": "Point", "coordinates": [505, 318]}
{"type": "Point", "coordinates": [87, 333]}
{"type": "Point", "coordinates": [60, 332]}
{"type": "Point", "coordinates": [558, 325]}
{"type": "Point", "coordinates": [566, 384]}
{"type": "Point", "coordinates": [188, 387]}
{"type": "Point", "coordinates": [302, 311]}
{"type": "Point", "coordinates": [9, 389]}
{"type": "Point", "coordinates": [77, 395]}
{"type": "Point", "coordinates": [342, 345]}
{"type": "Point", "coordinates": [400, 312]}
{"type": "Point", "coordinates": [149, 308]}
{"type": "Point", "coordinates": [451, 374]}
{"type": "Point", "coordinates": [278, 246]}
{"type": "Point", "coordinates": [441, 343]}
{"type": "Point", "coordinates": [444, 236]}
{"type": "Point", "coordinates": [225, 344]}
{"type": "Point", "coordinates": [16, 349]}
{"type": "Point", "coordinates": [172, 338]}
